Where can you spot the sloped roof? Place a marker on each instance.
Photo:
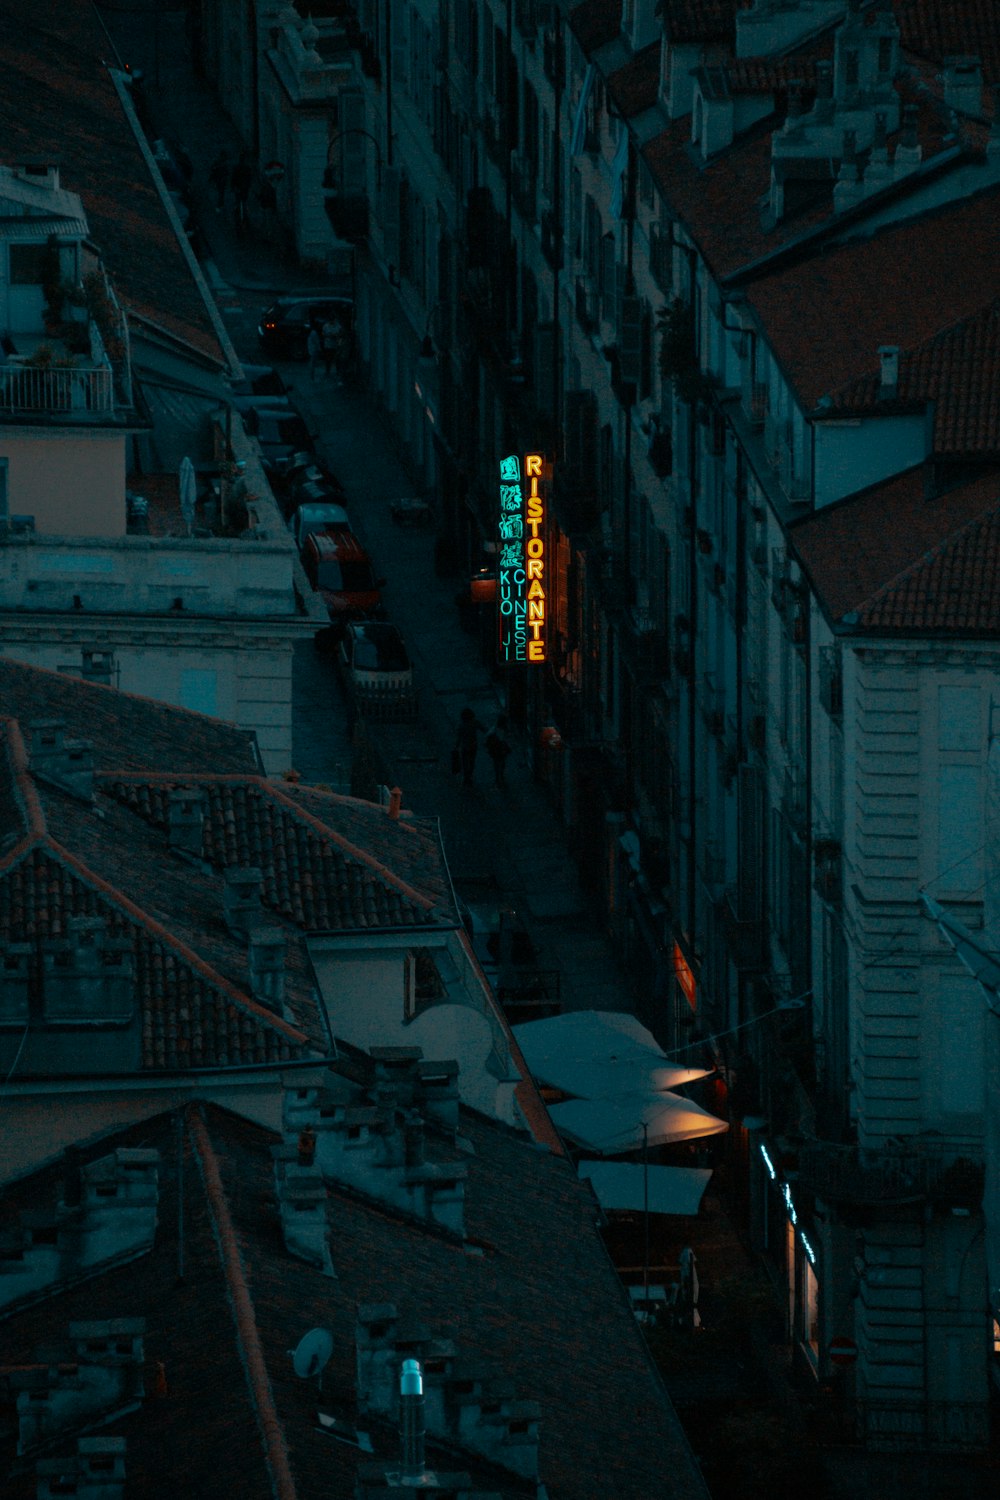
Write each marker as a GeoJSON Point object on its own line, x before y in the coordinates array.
{"type": "Point", "coordinates": [59, 104]}
{"type": "Point", "coordinates": [959, 372]}
{"type": "Point", "coordinates": [129, 732]}
{"type": "Point", "coordinates": [855, 549]}
{"type": "Point", "coordinates": [595, 23]}
{"type": "Point", "coordinates": [539, 1307]}
{"type": "Point", "coordinates": [313, 875]}
{"type": "Point", "coordinates": [826, 317]}
{"type": "Point", "coordinates": [328, 863]}
{"type": "Point", "coordinates": [634, 87]}
{"type": "Point", "coordinates": [700, 20]}
{"type": "Point", "coordinates": [953, 589]}
{"type": "Point", "coordinates": [936, 31]}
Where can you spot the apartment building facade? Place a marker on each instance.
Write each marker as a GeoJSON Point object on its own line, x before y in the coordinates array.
{"type": "Point", "coordinates": [731, 270]}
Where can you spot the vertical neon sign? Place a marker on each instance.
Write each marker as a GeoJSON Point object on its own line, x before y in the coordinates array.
{"type": "Point", "coordinates": [522, 596]}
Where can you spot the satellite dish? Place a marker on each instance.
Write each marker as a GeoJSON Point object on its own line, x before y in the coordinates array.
{"type": "Point", "coordinates": [309, 1358]}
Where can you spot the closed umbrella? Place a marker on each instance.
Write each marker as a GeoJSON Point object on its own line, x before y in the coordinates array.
{"type": "Point", "coordinates": [188, 492]}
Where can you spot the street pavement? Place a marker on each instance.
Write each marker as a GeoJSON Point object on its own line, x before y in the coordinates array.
{"type": "Point", "coordinates": [505, 847]}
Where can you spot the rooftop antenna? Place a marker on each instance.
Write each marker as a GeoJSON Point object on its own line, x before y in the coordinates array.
{"type": "Point", "coordinates": [311, 1354]}
{"type": "Point", "coordinates": [411, 1419]}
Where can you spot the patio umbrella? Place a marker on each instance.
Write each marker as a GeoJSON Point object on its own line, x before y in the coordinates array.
{"type": "Point", "coordinates": [621, 1186]}
{"type": "Point", "coordinates": [598, 1053]}
{"type": "Point", "coordinates": [614, 1127]}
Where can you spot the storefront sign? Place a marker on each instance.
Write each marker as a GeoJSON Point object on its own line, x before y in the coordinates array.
{"type": "Point", "coordinates": [685, 978]}
{"type": "Point", "coordinates": [522, 584]}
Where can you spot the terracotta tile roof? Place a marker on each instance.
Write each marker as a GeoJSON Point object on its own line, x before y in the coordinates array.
{"type": "Point", "coordinates": [634, 87]}
{"type": "Point", "coordinates": [313, 874]}
{"type": "Point", "coordinates": [129, 733]}
{"type": "Point", "coordinates": [59, 103]}
{"type": "Point", "coordinates": [595, 22]}
{"type": "Point", "coordinates": [64, 857]}
{"type": "Point", "coordinates": [903, 286]}
{"type": "Point", "coordinates": [959, 372]}
{"type": "Point", "coordinates": [953, 589]}
{"type": "Point", "coordinates": [772, 75]}
{"type": "Point", "coordinates": [540, 1307]}
{"type": "Point", "coordinates": [700, 20]}
{"type": "Point", "coordinates": [936, 31]}
{"type": "Point", "coordinates": [853, 550]}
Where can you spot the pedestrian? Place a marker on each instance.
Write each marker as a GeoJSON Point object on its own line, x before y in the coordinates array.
{"type": "Point", "coordinates": [331, 340]}
{"type": "Point", "coordinates": [467, 743]}
{"type": "Point", "coordinates": [218, 176]}
{"type": "Point", "coordinates": [242, 181]}
{"type": "Point", "coordinates": [314, 348]}
{"type": "Point", "coordinates": [498, 748]}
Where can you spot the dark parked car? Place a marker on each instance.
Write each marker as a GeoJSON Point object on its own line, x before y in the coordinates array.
{"type": "Point", "coordinates": [304, 478]}
{"type": "Point", "coordinates": [284, 326]}
{"type": "Point", "coordinates": [281, 432]}
{"type": "Point", "coordinates": [261, 380]}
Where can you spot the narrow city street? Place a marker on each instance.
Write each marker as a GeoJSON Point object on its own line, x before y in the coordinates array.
{"type": "Point", "coordinates": [757, 1428]}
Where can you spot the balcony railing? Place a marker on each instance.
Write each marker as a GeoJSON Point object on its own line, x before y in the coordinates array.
{"type": "Point", "coordinates": [910, 1172]}
{"type": "Point", "coordinates": [30, 388]}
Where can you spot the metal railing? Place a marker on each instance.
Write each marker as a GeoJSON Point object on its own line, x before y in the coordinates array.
{"type": "Point", "coordinates": [29, 388]}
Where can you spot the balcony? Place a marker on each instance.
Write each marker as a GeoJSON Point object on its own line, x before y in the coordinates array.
{"type": "Point", "coordinates": [911, 1171]}
{"type": "Point", "coordinates": [44, 390]}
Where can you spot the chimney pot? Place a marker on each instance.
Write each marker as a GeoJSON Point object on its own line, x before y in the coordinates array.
{"type": "Point", "coordinates": [411, 1419]}
{"type": "Point", "coordinates": [889, 357]}
{"type": "Point", "coordinates": [395, 802]}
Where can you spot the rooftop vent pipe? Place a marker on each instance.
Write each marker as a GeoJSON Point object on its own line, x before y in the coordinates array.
{"type": "Point", "coordinates": [411, 1419]}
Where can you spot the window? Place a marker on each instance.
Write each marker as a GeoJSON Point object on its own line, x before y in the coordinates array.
{"type": "Point", "coordinates": [198, 689]}
{"type": "Point", "coordinates": [28, 265]}
{"type": "Point", "coordinates": [4, 494]}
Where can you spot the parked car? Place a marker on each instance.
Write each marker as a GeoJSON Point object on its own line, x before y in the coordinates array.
{"type": "Point", "coordinates": [281, 431]}
{"type": "Point", "coordinates": [375, 661]}
{"type": "Point", "coordinates": [340, 570]}
{"type": "Point", "coordinates": [314, 517]}
{"type": "Point", "coordinates": [284, 326]}
{"type": "Point", "coordinates": [261, 380]}
{"type": "Point", "coordinates": [312, 483]}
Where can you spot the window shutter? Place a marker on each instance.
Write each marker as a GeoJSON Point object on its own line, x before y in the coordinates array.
{"type": "Point", "coordinates": [630, 337]}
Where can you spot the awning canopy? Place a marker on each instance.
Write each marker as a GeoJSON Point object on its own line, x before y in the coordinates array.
{"type": "Point", "coordinates": [596, 1054]}
{"type": "Point", "coordinates": [622, 1187]}
{"type": "Point", "coordinates": [614, 1127]}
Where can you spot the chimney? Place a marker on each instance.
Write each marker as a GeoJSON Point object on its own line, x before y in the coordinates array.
{"type": "Point", "coordinates": [88, 976]}
{"type": "Point", "coordinates": [186, 821]}
{"type": "Point", "coordinates": [241, 906]}
{"type": "Point", "coordinates": [395, 802]}
{"type": "Point", "coordinates": [97, 665]}
{"type": "Point", "coordinates": [266, 961]}
{"type": "Point", "coordinates": [99, 1379]}
{"type": "Point", "coordinates": [889, 383]}
{"type": "Point", "coordinates": [963, 84]}
{"type": "Point", "coordinates": [847, 189]}
{"type": "Point", "coordinates": [95, 1472]}
{"type": "Point", "coordinates": [411, 1420]}
{"type": "Point", "coordinates": [41, 173]}
{"type": "Point", "coordinates": [908, 152]}
{"type": "Point", "coordinates": [302, 1200]}
{"type": "Point", "coordinates": [65, 763]}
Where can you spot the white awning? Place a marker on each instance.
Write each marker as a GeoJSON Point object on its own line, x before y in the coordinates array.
{"type": "Point", "coordinates": [614, 1127]}
{"type": "Point", "coordinates": [595, 1054]}
{"type": "Point", "coordinates": [621, 1187]}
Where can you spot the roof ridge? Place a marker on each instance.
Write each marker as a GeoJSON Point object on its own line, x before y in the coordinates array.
{"type": "Point", "coordinates": [266, 787]}
{"type": "Point", "coordinates": [931, 555]}
{"type": "Point", "coordinates": [23, 787]}
{"type": "Point", "coordinates": [244, 1316]}
{"type": "Point", "coordinates": [311, 820]}
{"type": "Point", "coordinates": [226, 989]}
